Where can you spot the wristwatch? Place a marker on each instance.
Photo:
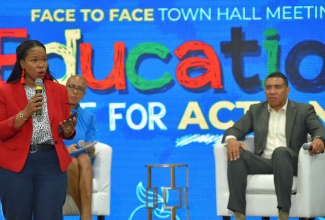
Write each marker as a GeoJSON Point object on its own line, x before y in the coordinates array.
{"type": "Point", "coordinates": [22, 116]}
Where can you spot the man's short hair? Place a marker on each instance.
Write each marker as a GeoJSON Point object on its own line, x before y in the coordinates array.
{"type": "Point", "coordinates": [278, 75]}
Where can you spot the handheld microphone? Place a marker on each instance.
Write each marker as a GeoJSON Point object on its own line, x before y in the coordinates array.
{"type": "Point", "coordinates": [39, 89]}
{"type": "Point", "coordinates": [81, 144]}
{"type": "Point", "coordinates": [306, 146]}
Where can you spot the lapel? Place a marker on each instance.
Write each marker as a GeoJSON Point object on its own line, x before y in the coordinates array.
{"type": "Point", "coordinates": [19, 91]}
{"type": "Point", "coordinates": [51, 97]}
{"type": "Point", "coordinates": [290, 116]}
{"type": "Point", "coordinates": [264, 122]}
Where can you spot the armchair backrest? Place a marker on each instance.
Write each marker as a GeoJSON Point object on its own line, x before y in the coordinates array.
{"type": "Point", "coordinates": [249, 143]}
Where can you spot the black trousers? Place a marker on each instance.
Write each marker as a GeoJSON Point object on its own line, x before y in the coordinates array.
{"type": "Point", "coordinates": [283, 165]}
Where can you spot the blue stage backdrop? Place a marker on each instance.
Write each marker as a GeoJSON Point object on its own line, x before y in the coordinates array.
{"type": "Point", "coordinates": [166, 78]}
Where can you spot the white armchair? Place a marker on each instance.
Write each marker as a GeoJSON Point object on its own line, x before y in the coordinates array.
{"type": "Point", "coordinates": [308, 194]}
{"type": "Point", "coordinates": [101, 184]}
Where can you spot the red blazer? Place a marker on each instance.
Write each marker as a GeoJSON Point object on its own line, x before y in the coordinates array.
{"type": "Point", "coordinates": [15, 143]}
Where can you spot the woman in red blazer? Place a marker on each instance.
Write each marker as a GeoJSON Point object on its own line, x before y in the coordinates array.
{"type": "Point", "coordinates": [33, 158]}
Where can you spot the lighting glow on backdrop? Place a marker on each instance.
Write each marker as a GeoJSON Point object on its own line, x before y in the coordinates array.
{"type": "Point", "coordinates": [166, 78]}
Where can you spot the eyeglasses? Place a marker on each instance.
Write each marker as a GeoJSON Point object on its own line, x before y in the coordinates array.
{"type": "Point", "coordinates": [73, 87]}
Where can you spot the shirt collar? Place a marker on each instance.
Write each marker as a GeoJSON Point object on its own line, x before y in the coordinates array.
{"type": "Point", "coordinates": [284, 108]}
{"type": "Point", "coordinates": [75, 110]}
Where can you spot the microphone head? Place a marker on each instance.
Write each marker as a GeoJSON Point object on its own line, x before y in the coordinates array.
{"type": "Point", "coordinates": [39, 82]}
{"type": "Point", "coordinates": [81, 143]}
{"type": "Point", "coordinates": [306, 146]}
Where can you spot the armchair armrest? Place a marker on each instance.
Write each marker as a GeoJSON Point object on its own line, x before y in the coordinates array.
{"type": "Point", "coordinates": [102, 179]}
{"type": "Point", "coordinates": [222, 190]}
{"type": "Point", "coordinates": [311, 181]}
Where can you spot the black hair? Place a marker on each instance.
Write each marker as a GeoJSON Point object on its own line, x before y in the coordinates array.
{"type": "Point", "coordinates": [21, 53]}
{"type": "Point", "coordinates": [278, 75]}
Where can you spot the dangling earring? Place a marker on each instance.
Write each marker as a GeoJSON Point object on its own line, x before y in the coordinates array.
{"type": "Point", "coordinates": [22, 79]}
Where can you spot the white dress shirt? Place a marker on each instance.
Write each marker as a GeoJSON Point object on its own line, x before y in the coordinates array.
{"type": "Point", "coordinates": [276, 136]}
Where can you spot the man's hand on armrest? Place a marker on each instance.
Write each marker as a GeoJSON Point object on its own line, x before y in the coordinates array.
{"type": "Point", "coordinates": [317, 146]}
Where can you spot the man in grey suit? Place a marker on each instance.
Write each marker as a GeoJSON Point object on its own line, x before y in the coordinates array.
{"type": "Point", "coordinates": [280, 128]}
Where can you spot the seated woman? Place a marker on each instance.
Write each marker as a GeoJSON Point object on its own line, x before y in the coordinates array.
{"type": "Point", "coordinates": [80, 170]}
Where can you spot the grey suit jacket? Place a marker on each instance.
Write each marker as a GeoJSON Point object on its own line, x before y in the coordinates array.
{"type": "Point", "coordinates": [301, 119]}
